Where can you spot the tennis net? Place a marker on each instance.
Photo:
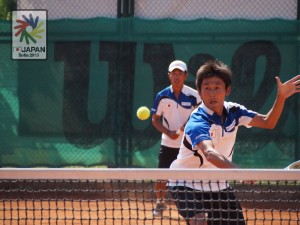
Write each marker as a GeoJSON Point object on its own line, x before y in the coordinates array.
{"type": "Point", "coordinates": [127, 196]}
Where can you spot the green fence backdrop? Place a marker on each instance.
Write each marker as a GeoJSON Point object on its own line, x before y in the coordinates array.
{"type": "Point", "coordinates": [78, 107]}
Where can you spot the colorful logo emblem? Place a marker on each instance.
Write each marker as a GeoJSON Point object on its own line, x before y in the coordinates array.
{"type": "Point", "coordinates": [29, 39]}
{"type": "Point", "coordinates": [36, 29]}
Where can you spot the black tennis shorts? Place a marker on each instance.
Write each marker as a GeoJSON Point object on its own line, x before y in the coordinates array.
{"type": "Point", "coordinates": [166, 156]}
{"type": "Point", "coordinates": [219, 206]}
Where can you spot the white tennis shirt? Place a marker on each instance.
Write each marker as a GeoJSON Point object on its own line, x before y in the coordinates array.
{"type": "Point", "coordinates": [175, 112]}
{"type": "Point", "coordinates": [204, 124]}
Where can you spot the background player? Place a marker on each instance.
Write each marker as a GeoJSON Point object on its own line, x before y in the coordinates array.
{"type": "Point", "coordinates": [170, 112]}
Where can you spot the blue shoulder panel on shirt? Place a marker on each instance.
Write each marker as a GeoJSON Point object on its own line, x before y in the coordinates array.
{"type": "Point", "coordinates": [198, 127]}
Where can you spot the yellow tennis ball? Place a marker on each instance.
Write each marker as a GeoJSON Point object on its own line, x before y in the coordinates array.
{"type": "Point", "coordinates": [143, 113]}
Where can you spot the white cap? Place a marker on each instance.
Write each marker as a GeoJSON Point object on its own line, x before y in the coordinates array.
{"type": "Point", "coordinates": [177, 64]}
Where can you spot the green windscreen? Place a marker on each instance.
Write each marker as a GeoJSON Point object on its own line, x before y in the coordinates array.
{"type": "Point", "coordinates": [78, 107]}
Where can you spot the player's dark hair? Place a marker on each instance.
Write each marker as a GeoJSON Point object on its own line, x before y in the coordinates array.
{"type": "Point", "coordinates": [214, 68]}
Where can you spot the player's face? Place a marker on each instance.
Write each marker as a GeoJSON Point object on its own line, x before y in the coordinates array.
{"type": "Point", "coordinates": [177, 77]}
{"type": "Point", "coordinates": [213, 93]}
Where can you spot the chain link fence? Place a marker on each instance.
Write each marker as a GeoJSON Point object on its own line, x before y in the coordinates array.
{"type": "Point", "coordinates": [157, 9]}
{"type": "Point", "coordinates": [77, 108]}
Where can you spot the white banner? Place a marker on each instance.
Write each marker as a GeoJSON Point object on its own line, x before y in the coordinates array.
{"type": "Point", "coordinates": [216, 9]}
{"type": "Point", "coordinates": [60, 9]}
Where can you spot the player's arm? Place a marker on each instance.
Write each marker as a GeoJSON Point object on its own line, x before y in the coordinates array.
{"type": "Point", "coordinates": [156, 122]}
{"type": "Point", "coordinates": [284, 90]}
{"type": "Point", "coordinates": [214, 156]}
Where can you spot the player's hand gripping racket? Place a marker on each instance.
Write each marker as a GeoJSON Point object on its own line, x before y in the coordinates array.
{"type": "Point", "coordinates": [294, 165]}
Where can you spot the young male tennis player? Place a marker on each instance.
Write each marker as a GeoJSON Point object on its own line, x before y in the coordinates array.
{"type": "Point", "coordinates": [208, 142]}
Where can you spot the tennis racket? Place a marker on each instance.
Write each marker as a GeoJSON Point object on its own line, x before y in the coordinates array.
{"type": "Point", "coordinates": [294, 165]}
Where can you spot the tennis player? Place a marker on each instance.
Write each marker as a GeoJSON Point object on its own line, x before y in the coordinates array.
{"type": "Point", "coordinates": [170, 112]}
{"type": "Point", "coordinates": [208, 142]}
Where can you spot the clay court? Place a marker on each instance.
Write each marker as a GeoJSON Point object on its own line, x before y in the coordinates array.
{"type": "Point", "coordinates": [117, 212]}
